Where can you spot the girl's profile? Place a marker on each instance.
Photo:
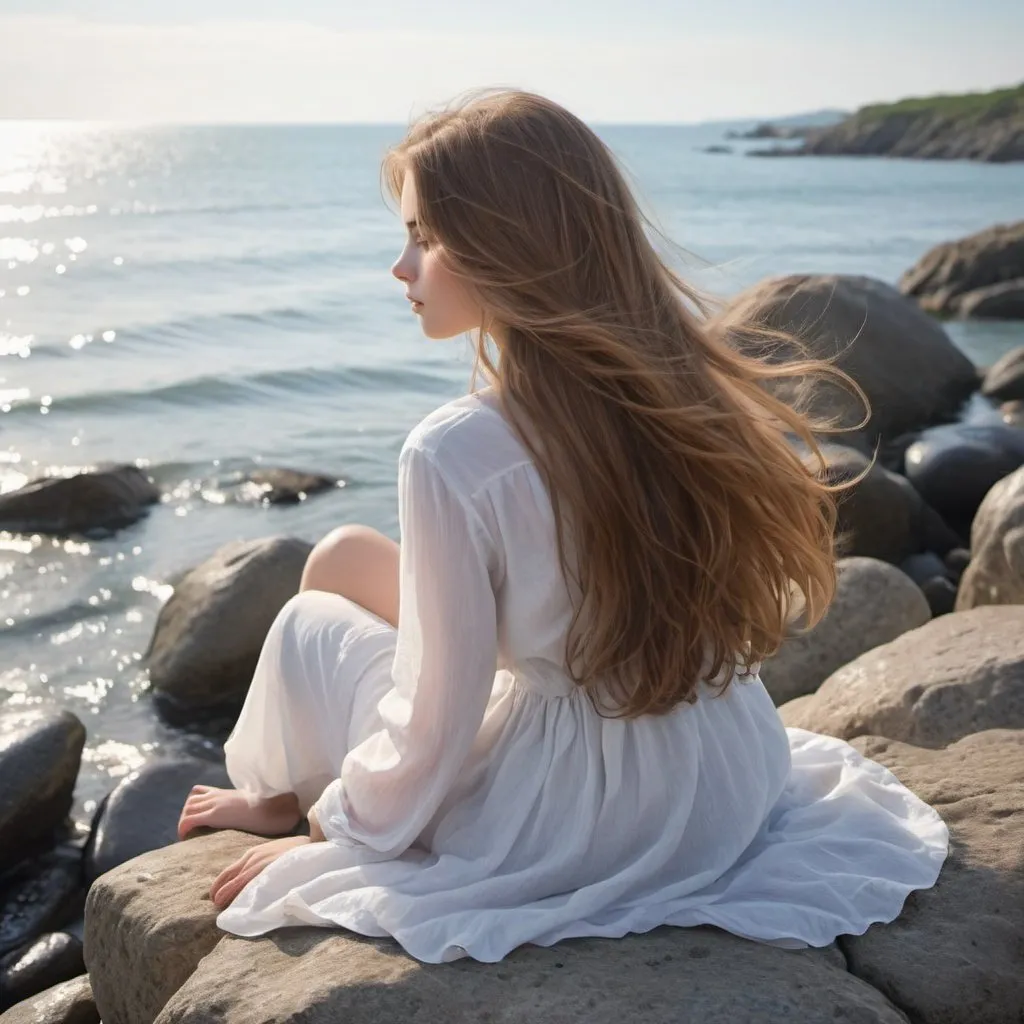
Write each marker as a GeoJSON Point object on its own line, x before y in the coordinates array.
{"type": "Point", "coordinates": [540, 715]}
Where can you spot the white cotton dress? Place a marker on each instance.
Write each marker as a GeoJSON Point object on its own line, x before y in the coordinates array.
{"type": "Point", "coordinates": [474, 800]}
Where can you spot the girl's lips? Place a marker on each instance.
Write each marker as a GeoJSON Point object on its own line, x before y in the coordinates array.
{"type": "Point", "coordinates": [416, 305]}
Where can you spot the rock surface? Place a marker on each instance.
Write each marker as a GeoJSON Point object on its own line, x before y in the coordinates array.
{"type": "Point", "coordinates": [995, 574]}
{"type": "Point", "coordinates": [68, 1003]}
{"type": "Point", "coordinates": [955, 465]}
{"type": "Point", "coordinates": [1004, 380]}
{"type": "Point", "coordinates": [40, 753]}
{"type": "Point", "coordinates": [874, 603]}
{"type": "Point", "coordinates": [209, 634]}
{"type": "Point", "coordinates": [910, 370]}
{"type": "Point", "coordinates": [955, 675]}
{"type": "Point", "coordinates": [40, 895]}
{"type": "Point", "coordinates": [149, 924]}
{"type": "Point", "coordinates": [956, 952]}
{"type": "Point", "coordinates": [279, 486]}
{"type": "Point", "coordinates": [103, 499]}
{"type": "Point", "coordinates": [957, 278]}
{"type": "Point", "coordinates": [141, 812]}
{"type": "Point", "coordinates": [665, 976]}
{"type": "Point", "coordinates": [48, 961]}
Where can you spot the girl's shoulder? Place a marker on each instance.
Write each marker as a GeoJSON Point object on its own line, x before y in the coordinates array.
{"type": "Point", "coordinates": [468, 440]}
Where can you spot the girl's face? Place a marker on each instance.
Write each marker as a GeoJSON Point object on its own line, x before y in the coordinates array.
{"type": "Point", "coordinates": [440, 299]}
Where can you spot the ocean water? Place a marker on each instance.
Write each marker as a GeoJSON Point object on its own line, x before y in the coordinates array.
{"type": "Point", "coordinates": [204, 300]}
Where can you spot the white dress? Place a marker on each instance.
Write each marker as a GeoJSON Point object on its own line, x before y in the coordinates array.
{"type": "Point", "coordinates": [473, 799]}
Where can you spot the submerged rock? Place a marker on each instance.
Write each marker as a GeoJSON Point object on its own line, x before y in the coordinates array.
{"type": "Point", "coordinates": [953, 956]}
{"type": "Point", "coordinates": [955, 675]}
{"type": "Point", "coordinates": [40, 753]}
{"type": "Point", "coordinates": [44, 963]}
{"type": "Point", "coordinates": [874, 603]}
{"type": "Point", "coordinates": [141, 813]}
{"type": "Point", "coordinates": [209, 634]}
{"type": "Point", "coordinates": [103, 499]}
{"type": "Point", "coordinates": [980, 275]}
{"type": "Point", "coordinates": [912, 373]}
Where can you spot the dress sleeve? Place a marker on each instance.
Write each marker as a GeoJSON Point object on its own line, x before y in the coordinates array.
{"type": "Point", "coordinates": [443, 672]}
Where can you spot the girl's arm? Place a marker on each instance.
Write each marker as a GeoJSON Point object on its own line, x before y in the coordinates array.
{"type": "Point", "coordinates": [392, 783]}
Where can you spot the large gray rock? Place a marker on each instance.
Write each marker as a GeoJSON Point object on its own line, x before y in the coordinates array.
{"type": "Point", "coordinates": [209, 634]}
{"type": "Point", "coordinates": [40, 895]}
{"type": "Point", "coordinates": [141, 812]}
{"type": "Point", "coordinates": [70, 1002]}
{"type": "Point", "coordinates": [103, 500]}
{"type": "Point", "coordinates": [150, 925]}
{"type": "Point", "coordinates": [48, 961]}
{"type": "Point", "coordinates": [1004, 380]}
{"type": "Point", "coordinates": [956, 278]}
{"type": "Point", "coordinates": [955, 675]}
{"type": "Point", "coordinates": [881, 516]}
{"type": "Point", "coordinates": [149, 922]}
{"type": "Point", "coordinates": [40, 753]}
{"type": "Point", "coordinates": [955, 465]}
{"type": "Point", "coordinates": [995, 574]}
{"type": "Point", "coordinates": [875, 602]}
{"type": "Point", "coordinates": [665, 976]}
{"type": "Point", "coordinates": [955, 955]}
{"type": "Point", "coordinates": [910, 370]}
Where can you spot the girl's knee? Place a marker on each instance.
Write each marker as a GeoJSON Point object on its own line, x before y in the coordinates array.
{"type": "Point", "coordinates": [332, 554]}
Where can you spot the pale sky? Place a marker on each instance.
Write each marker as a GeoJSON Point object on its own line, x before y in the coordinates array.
{"type": "Point", "coordinates": [664, 61]}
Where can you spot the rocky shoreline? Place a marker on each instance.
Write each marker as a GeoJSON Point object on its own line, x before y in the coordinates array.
{"type": "Point", "coordinates": [919, 664]}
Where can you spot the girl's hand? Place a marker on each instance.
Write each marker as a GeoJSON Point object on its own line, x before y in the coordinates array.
{"type": "Point", "coordinates": [234, 878]}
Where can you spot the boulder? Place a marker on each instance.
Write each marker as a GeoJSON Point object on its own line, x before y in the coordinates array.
{"type": "Point", "coordinates": [910, 370]}
{"type": "Point", "coordinates": [982, 272]}
{"type": "Point", "coordinates": [149, 922]}
{"type": "Point", "coordinates": [152, 947]}
{"type": "Point", "coordinates": [209, 634]}
{"type": "Point", "coordinates": [665, 976]}
{"type": "Point", "coordinates": [278, 486]}
{"type": "Point", "coordinates": [40, 753]}
{"type": "Point", "coordinates": [940, 593]}
{"type": "Point", "coordinates": [953, 467]}
{"type": "Point", "coordinates": [99, 500]}
{"type": "Point", "coordinates": [874, 603]}
{"type": "Point", "coordinates": [954, 955]}
{"type": "Point", "coordinates": [49, 960]}
{"type": "Point", "coordinates": [995, 574]}
{"type": "Point", "coordinates": [882, 516]}
{"type": "Point", "coordinates": [955, 675]}
{"type": "Point", "coordinates": [40, 895]}
{"type": "Point", "coordinates": [70, 1002]}
{"type": "Point", "coordinates": [141, 812]}
{"type": "Point", "coordinates": [1004, 380]}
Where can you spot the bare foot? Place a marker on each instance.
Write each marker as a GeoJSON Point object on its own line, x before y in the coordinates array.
{"type": "Point", "coordinates": [208, 807]}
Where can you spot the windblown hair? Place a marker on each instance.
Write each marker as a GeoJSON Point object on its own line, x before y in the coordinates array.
{"type": "Point", "coordinates": [686, 520]}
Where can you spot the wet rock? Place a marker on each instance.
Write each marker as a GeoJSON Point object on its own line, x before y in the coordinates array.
{"type": "Point", "coordinates": [910, 370]}
{"type": "Point", "coordinates": [957, 561]}
{"type": "Point", "coordinates": [40, 895]}
{"type": "Point", "coordinates": [150, 925]}
{"type": "Point", "coordinates": [954, 466]}
{"type": "Point", "coordinates": [46, 962]}
{"type": "Point", "coordinates": [287, 486]}
{"type": "Point", "coordinates": [955, 675]}
{"type": "Point", "coordinates": [40, 753]}
{"type": "Point", "coordinates": [995, 574]}
{"type": "Point", "coordinates": [874, 603]}
{"type": "Point", "coordinates": [882, 516]}
{"type": "Point", "coordinates": [940, 593]}
{"type": "Point", "coordinates": [102, 499]}
{"type": "Point", "coordinates": [209, 634]}
{"type": "Point", "coordinates": [70, 1002]}
{"type": "Point", "coordinates": [142, 811]}
{"type": "Point", "coordinates": [1012, 412]}
{"type": "Point", "coordinates": [923, 567]}
{"type": "Point", "coordinates": [1004, 381]}
{"type": "Point", "coordinates": [953, 956]}
{"type": "Point", "coordinates": [982, 274]}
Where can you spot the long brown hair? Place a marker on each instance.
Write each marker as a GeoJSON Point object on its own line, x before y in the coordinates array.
{"type": "Point", "coordinates": [685, 520]}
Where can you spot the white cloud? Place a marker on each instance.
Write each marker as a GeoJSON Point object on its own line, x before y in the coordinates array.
{"type": "Point", "coordinates": [220, 71]}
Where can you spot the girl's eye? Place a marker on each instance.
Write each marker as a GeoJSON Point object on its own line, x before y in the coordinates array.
{"type": "Point", "coordinates": [423, 242]}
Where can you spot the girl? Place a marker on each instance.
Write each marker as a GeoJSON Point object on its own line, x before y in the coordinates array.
{"type": "Point", "coordinates": [542, 717]}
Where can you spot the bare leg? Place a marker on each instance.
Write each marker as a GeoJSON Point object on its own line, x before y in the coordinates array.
{"type": "Point", "coordinates": [359, 564]}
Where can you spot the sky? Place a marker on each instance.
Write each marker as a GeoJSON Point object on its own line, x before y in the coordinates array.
{"type": "Point", "coordinates": [610, 61]}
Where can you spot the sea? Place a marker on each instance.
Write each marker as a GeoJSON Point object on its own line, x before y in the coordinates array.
{"type": "Point", "coordinates": [202, 301]}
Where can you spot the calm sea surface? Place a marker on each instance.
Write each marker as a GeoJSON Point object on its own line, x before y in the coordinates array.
{"type": "Point", "coordinates": [203, 300]}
